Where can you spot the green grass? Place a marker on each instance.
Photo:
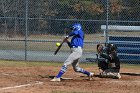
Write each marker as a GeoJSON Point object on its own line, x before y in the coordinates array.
{"type": "Point", "coordinates": [12, 63]}
{"type": "Point", "coordinates": [132, 66]}
{"type": "Point", "coordinates": [6, 63]}
{"type": "Point", "coordinates": [45, 46]}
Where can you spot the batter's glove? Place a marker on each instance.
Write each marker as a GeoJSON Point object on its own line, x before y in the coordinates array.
{"type": "Point", "coordinates": [99, 48]}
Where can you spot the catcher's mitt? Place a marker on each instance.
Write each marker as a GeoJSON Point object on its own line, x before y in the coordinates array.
{"type": "Point", "coordinates": [99, 48]}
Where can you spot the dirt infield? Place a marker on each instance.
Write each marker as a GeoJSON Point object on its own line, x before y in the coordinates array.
{"type": "Point", "coordinates": [36, 79]}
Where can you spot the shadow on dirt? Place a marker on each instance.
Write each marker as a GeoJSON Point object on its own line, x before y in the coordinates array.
{"type": "Point", "coordinates": [46, 76]}
{"type": "Point", "coordinates": [131, 74]}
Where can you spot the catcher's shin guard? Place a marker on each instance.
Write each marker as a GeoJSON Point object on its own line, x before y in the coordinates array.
{"type": "Point", "coordinates": [105, 74]}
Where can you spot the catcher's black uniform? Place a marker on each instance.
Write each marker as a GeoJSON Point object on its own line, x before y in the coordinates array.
{"type": "Point", "coordinates": [110, 63]}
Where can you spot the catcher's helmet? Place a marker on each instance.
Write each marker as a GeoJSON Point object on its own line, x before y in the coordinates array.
{"type": "Point", "coordinates": [111, 47]}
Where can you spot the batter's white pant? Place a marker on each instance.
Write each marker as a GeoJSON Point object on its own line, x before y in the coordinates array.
{"type": "Point", "coordinates": [73, 58]}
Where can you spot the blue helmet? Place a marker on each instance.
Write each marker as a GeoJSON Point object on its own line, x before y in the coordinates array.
{"type": "Point", "coordinates": [76, 26]}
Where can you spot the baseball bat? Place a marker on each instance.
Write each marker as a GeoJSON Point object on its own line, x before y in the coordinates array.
{"type": "Point", "coordinates": [58, 48]}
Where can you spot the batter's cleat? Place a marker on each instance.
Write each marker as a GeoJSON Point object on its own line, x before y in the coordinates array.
{"type": "Point", "coordinates": [56, 79]}
{"type": "Point", "coordinates": [91, 76]}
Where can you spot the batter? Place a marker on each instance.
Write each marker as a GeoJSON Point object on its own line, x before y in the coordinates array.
{"type": "Point", "coordinates": [76, 45]}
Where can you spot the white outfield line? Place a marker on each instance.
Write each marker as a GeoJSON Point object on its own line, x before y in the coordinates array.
{"type": "Point", "coordinates": [25, 85]}
{"type": "Point", "coordinates": [119, 81]}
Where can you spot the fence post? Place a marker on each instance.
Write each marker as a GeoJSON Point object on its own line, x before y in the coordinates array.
{"type": "Point", "coordinates": [26, 32]}
{"type": "Point", "coordinates": [107, 18]}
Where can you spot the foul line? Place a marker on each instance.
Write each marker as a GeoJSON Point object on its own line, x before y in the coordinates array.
{"type": "Point", "coordinates": [123, 81]}
{"type": "Point", "coordinates": [19, 86]}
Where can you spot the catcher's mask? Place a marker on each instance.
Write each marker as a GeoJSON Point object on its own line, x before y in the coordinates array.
{"type": "Point", "coordinates": [110, 48]}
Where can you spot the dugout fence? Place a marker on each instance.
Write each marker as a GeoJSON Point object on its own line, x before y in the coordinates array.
{"type": "Point", "coordinates": [29, 29]}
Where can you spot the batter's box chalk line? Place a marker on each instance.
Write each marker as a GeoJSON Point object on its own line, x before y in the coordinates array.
{"type": "Point", "coordinates": [65, 78]}
{"type": "Point", "coordinates": [123, 81]}
{"type": "Point", "coordinates": [24, 85]}
{"type": "Point", "coordinates": [62, 78]}
{"type": "Point", "coordinates": [131, 74]}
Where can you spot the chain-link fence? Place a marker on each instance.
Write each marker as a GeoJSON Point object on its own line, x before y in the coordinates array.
{"type": "Point", "coordinates": [29, 29]}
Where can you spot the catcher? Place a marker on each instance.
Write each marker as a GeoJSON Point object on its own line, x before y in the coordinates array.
{"type": "Point", "coordinates": [108, 61]}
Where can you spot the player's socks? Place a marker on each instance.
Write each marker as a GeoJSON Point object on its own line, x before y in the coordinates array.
{"type": "Point", "coordinates": [86, 72]}
{"type": "Point", "coordinates": [62, 71]}
{"type": "Point", "coordinates": [60, 74]}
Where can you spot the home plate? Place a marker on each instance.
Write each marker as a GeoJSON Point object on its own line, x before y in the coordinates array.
{"type": "Point", "coordinates": [64, 78]}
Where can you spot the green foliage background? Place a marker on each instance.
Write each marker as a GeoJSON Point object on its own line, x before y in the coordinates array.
{"type": "Point", "coordinates": [52, 16]}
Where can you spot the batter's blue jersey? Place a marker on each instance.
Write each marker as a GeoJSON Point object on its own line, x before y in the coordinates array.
{"type": "Point", "coordinates": [78, 36]}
